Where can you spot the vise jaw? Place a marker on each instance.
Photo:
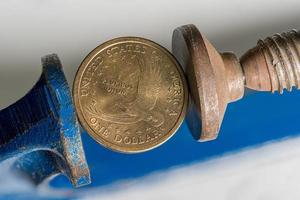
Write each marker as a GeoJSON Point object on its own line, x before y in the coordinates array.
{"type": "Point", "coordinates": [41, 132]}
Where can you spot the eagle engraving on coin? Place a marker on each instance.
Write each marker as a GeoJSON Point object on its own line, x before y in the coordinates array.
{"type": "Point", "coordinates": [146, 83]}
{"type": "Point", "coordinates": [130, 94]}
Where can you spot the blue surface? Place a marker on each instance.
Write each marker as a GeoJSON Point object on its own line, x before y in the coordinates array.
{"type": "Point", "coordinates": [254, 120]}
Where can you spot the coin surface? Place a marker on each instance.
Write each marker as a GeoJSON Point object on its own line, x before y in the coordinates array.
{"type": "Point", "coordinates": [130, 94]}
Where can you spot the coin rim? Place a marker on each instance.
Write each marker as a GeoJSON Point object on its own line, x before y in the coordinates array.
{"type": "Point", "coordinates": [86, 126]}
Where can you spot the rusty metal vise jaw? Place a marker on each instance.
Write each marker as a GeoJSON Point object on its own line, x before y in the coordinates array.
{"type": "Point", "coordinates": [41, 131]}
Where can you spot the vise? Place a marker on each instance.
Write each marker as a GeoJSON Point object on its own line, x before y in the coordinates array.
{"type": "Point", "coordinates": [41, 132]}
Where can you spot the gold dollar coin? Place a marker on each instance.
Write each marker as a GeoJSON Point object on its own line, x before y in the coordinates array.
{"type": "Point", "coordinates": [130, 94]}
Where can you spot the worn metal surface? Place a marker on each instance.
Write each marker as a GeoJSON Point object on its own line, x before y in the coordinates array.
{"type": "Point", "coordinates": [216, 79]}
{"type": "Point", "coordinates": [41, 131]}
{"type": "Point", "coordinates": [274, 64]}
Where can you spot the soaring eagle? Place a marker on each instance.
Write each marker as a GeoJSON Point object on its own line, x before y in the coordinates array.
{"type": "Point", "coordinates": [142, 107]}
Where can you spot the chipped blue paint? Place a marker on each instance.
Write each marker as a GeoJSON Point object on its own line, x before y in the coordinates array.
{"type": "Point", "coordinates": [41, 130]}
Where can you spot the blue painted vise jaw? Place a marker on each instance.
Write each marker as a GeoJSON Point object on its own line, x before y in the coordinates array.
{"type": "Point", "coordinates": [41, 131]}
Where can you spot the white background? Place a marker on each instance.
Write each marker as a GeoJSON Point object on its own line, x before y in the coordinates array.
{"type": "Point", "coordinates": [72, 28]}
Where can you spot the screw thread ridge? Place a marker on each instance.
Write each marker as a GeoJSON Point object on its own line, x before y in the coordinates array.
{"type": "Point", "coordinates": [282, 55]}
